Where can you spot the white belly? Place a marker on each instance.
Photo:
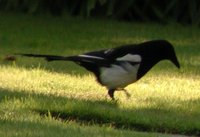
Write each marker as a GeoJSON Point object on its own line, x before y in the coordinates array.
{"type": "Point", "coordinates": [117, 76]}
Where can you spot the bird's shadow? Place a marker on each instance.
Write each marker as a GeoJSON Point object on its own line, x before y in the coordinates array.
{"type": "Point", "coordinates": [106, 112]}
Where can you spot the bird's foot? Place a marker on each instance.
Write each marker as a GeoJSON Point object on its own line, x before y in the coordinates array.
{"type": "Point", "coordinates": [111, 93]}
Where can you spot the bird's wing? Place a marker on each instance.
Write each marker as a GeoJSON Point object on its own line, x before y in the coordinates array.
{"type": "Point", "coordinates": [99, 58]}
{"type": "Point", "coordinates": [126, 53]}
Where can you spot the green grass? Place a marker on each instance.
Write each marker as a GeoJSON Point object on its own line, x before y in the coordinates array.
{"type": "Point", "coordinates": [62, 99]}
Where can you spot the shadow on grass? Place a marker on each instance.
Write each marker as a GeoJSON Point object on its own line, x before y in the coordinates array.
{"type": "Point", "coordinates": [109, 113]}
{"type": "Point", "coordinates": [118, 122]}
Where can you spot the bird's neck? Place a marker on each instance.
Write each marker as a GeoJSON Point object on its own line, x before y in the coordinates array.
{"type": "Point", "coordinates": [146, 65]}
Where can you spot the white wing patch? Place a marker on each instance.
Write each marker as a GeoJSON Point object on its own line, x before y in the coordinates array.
{"type": "Point", "coordinates": [89, 56]}
{"type": "Point", "coordinates": [131, 58]}
{"type": "Point", "coordinates": [108, 51]}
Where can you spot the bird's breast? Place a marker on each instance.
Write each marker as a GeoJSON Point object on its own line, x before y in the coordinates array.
{"type": "Point", "coordinates": [118, 76]}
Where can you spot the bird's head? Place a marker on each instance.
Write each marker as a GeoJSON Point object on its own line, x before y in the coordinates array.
{"type": "Point", "coordinates": [169, 53]}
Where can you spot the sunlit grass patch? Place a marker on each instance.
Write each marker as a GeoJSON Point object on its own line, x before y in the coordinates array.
{"type": "Point", "coordinates": [156, 103]}
{"type": "Point", "coordinates": [40, 81]}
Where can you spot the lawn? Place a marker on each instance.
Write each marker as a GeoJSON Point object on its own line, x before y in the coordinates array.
{"type": "Point", "coordinates": [62, 99]}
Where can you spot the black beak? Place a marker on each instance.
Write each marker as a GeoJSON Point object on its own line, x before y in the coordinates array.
{"type": "Point", "coordinates": [176, 62]}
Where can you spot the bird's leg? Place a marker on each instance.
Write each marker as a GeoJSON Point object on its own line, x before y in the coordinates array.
{"type": "Point", "coordinates": [128, 95]}
{"type": "Point", "coordinates": [111, 93]}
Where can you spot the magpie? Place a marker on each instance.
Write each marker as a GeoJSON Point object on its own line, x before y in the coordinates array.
{"type": "Point", "coordinates": [115, 68]}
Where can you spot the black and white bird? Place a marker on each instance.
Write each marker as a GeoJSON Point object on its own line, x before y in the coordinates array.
{"type": "Point", "coordinates": [118, 67]}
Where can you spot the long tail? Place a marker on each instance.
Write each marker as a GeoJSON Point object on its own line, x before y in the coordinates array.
{"type": "Point", "coordinates": [47, 57]}
{"type": "Point", "coordinates": [79, 58]}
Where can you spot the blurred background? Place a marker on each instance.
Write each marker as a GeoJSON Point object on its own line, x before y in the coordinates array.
{"type": "Point", "coordinates": [165, 11]}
